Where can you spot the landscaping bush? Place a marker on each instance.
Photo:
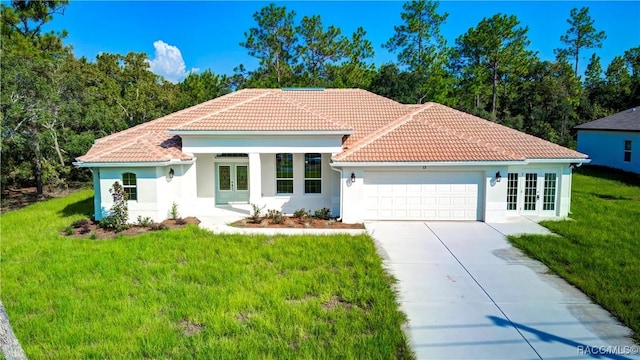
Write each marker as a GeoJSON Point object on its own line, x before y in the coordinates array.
{"type": "Point", "coordinates": [301, 214]}
{"type": "Point", "coordinates": [174, 214]}
{"type": "Point", "coordinates": [322, 214]}
{"type": "Point", "coordinates": [119, 213]}
{"type": "Point", "coordinates": [275, 216]}
{"type": "Point", "coordinates": [144, 221]}
{"type": "Point", "coordinates": [256, 216]}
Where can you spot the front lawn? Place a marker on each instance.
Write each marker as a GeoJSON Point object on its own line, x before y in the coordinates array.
{"type": "Point", "coordinates": [599, 249]}
{"type": "Point", "coordinates": [191, 294]}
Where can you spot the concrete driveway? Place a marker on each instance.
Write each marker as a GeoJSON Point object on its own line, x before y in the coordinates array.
{"type": "Point", "coordinates": [469, 294]}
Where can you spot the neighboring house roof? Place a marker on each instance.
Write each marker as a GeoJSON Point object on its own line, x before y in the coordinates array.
{"type": "Point", "coordinates": [378, 129]}
{"type": "Point", "coordinates": [628, 120]}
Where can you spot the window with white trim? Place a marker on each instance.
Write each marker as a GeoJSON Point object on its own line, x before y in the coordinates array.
{"type": "Point", "coordinates": [284, 173]}
{"type": "Point", "coordinates": [130, 186]}
{"type": "Point", "coordinates": [313, 173]}
{"type": "Point", "coordinates": [627, 151]}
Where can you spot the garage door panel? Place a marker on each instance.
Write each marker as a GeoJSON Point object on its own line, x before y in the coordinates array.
{"type": "Point", "coordinates": [423, 195]}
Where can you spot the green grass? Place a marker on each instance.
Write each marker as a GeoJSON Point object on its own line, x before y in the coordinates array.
{"type": "Point", "coordinates": [191, 294]}
{"type": "Point", "coordinates": [599, 249]}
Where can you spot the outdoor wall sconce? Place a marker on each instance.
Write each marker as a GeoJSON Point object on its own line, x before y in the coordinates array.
{"type": "Point", "coordinates": [171, 172]}
{"type": "Point", "coordinates": [498, 176]}
{"type": "Point", "coordinates": [353, 177]}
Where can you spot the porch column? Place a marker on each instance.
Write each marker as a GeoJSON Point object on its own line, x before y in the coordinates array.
{"type": "Point", "coordinates": [255, 179]}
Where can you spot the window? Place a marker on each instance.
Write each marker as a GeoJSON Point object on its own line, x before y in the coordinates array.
{"type": "Point", "coordinates": [549, 199]}
{"type": "Point", "coordinates": [284, 173]}
{"type": "Point", "coordinates": [312, 173]}
{"type": "Point", "coordinates": [512, 191]}
{"type": "Point", "coordinates": [130, 186]}
{"type": "Point", "coordinates": [627, 150]}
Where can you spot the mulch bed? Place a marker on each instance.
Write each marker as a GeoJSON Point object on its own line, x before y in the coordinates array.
{"type": "Point", "coordinates": [297, 223]}
{"type": "Point", "coordinates": [92, 230]}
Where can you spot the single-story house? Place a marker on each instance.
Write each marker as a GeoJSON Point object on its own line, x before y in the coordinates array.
{"type": "Point", "coordinates": [363, 156]}
{"type": "Point", "coordinates": [613, 141]}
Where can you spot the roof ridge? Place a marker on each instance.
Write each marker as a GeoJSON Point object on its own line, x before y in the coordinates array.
{"type": "Point", "coordinates": [260, 95]}
{"type": "Point", "coordinates": [490, 144]}
{"type": "Point", "coordinates": [472, 139]}
{"type": "Point", "coordinates": [390, 126]}
{"type": "Point", "coordinates": [305, 107]}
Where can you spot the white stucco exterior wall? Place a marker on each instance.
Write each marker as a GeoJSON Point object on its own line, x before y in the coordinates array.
{"type": "Point", "coordinates": [147, 185]}
{"type": "Point", "coordinates": [606, 148]}
{"type": "Point", "coordinates": [492, 194]}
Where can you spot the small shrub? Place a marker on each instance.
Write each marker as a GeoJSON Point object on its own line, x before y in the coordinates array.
{"type": "Point", "coordinates": [80, 223]}
{"type": "Point", "coordinates": [174, 214]}
{"type": "Point", "coordinates": [93, 236]}
{"type": "Point", "coordinates": [322, 214]}
{"type": "Point", "coordinates": [256, 216]}
{"type": "Point", "coordinates": [68, 230]}
{"type": "Point", "coordinates": [275, 216]}
{"type": "Point", "coordinates": [144, 221]}
{"type": "Point", "coordinates": [119, 213]}
{"type": "Point", "coordinates": [301, 214]}
{"type": "Point", "coordinates": [331, 222]}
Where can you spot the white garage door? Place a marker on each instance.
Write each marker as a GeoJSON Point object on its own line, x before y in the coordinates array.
{"type": "Point", "coordinates": [423, 195]}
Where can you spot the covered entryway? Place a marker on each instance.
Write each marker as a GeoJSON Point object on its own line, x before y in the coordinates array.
{"type": "Point", "coordinates": [423, 195]}
{"type": "Point", "coordinates": [232, 183]}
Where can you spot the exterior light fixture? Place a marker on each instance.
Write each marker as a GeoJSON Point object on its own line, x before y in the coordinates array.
{"type": "Point", "coordinates": [353, 177]}
{"type": "Point", "coordinates": [498, 176]}
{"type": "Point", "coordinates": [171, 172]}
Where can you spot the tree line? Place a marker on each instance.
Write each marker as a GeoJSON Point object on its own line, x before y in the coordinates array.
{"type": "Point", "coordinates": [55, 105]}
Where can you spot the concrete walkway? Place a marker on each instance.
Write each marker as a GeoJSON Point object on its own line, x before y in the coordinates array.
{"type": "Point", "coordinates": [469, 294]}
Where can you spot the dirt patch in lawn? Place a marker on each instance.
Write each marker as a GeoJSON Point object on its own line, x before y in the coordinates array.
{"type": "Point", "coordinates": [190, 328]}
{"type": "Point", "coordinates": [297, 223]}
{"type": "Point", "coordinates": [92, 230]}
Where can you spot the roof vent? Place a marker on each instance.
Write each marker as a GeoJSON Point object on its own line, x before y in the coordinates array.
{"type": "Point", "coordinates": [303, 89]}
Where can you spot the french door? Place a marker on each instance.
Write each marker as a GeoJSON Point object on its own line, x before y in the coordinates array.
{"type": "Point", "coordinates": [232, 183]}
{"type": "Point", "coordinates": [532, 192]}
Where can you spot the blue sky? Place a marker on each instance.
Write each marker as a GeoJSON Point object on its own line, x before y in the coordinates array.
{"type": "Point", "coordinates": [197, 35]}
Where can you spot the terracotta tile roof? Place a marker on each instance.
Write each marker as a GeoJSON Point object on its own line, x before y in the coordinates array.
{"type": "Point", "coordinates": [435, 132]}
{"type": "Point", "coordinates": [382, 129]}
{"type": "Point", "coordinates": [270, 111]}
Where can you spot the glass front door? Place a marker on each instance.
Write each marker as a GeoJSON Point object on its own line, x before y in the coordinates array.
{"type": "Point", "coordinates": [232, 183]}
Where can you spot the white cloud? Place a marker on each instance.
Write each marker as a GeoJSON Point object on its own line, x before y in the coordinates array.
{"type": "Point", "coordinates": [168, 62]}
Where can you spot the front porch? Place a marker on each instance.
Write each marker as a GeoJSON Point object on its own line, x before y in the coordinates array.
{"type": "Point", "coordinates": [280, 181]}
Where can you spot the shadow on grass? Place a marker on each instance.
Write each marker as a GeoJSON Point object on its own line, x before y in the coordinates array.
{"type": "Point", "coordinates": [82, 207]}
{"type": "Point", "coordinates": [612, 197]}
{"type": "Point", "coordinates": [607, 173]}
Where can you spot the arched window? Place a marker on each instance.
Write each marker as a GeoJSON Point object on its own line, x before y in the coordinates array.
{"type": "Point", "coordinates": [130, 185]}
